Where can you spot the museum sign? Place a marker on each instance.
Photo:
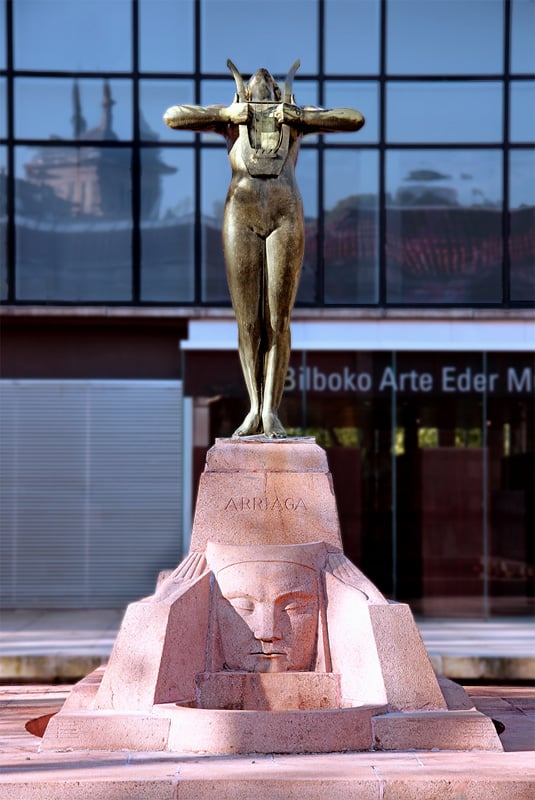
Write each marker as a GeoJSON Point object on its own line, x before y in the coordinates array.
{"type": "Point", "coordinates": [207, 374]}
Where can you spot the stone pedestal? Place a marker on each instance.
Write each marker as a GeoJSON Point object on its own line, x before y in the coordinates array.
{"type": "Point", "coordinates": [266, 638]}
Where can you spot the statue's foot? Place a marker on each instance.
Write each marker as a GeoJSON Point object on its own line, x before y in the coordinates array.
{"type": "Point", "coordinates": [250, 425]}
{"type": "Point", "coordinates": [273, 426]}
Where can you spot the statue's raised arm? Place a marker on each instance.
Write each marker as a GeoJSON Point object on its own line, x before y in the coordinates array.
{"type": "Point", "coordinates": [206, 118]}
{"type": "Point", "coordinates": [263, 224]}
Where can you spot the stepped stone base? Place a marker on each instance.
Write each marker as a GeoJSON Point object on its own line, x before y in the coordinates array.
{"type": "Point", "coordinates": [266, 639]}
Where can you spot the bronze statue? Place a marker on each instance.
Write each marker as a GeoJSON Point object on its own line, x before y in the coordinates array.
{"type": "Point", "coordinates": [263, 225]}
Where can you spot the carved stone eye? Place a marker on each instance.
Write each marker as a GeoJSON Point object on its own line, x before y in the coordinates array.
{"type": "Point", "coordinates": [243, 604]}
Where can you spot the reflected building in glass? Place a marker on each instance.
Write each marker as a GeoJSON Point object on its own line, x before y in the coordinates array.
{"type": "Point", "coordinates": [413, 334]}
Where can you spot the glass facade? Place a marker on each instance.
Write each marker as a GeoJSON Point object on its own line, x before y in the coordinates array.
{"type": "Point", "coordinates": [432, 463]}
{"type": "Point", "coordinates": [428, 205]}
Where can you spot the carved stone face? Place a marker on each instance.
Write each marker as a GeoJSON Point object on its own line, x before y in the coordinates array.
{"type": "Point", "coordinates": [268, 616]}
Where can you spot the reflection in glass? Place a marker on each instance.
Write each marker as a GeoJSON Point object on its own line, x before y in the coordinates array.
{"type": "Point", "coordinates": [167, 225]}
{"type": "Point", "coordinates": [73, 223]}
{"type": "Point", "coordinates": [522, 224]}
{"type": "Point", "coordinates": [3, 224]}
{"type": "Point", "coordinates": [351, 226]}
{"type": "Point", "coordinates": [217, 93]}
{"type": "Point", "coordinates": [307, 181]}
{"type": "Point", "coordinates": [60, 108]}
{"type": "Point", "coordinates": [306, 94]}
{"type": "Point", "coordinates": [352, 37]}
{"type": "Point", "coordinates": [271, 35]}
{"type": "Point", "coordinates": [511, 438]}
{"type": "Point", "coordinates": [443, 226]}
{"type": "Point", "coordinates": [522, 111]}
{"type": "Point", "coordinates": [154, 98]}
{"type": "Point", "coordinates": [363, 96]}
{"type": "Point", "coordinates": [444, 112]}
{"type": "Point", "coordinates": [166, 36]}
{"type": "Point", "coordinates": [3, 60]}
{"type": "Point", "coordinates": [522, 36]}
{"type": "Point", "coordinates": [3, 110]}
{"type": "Point", "coordinates": [215, 179]}
{"type": "Point", "coordinates": [438, 38]}
{"type": "Point", "coordinates": [82, 35]}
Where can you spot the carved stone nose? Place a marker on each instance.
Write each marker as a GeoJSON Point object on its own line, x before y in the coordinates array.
{"type": "Point", "coordinates": [265, 627]}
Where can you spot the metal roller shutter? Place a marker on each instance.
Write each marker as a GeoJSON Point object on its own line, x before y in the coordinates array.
{"type": "Point", "coordinates": [90, 490]}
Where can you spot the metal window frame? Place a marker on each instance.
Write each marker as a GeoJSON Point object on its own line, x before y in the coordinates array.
{"type": "Point", "coordinates": [198, 146]}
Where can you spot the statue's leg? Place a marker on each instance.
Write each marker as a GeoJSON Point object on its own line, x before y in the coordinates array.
{"type": "Point", "coordinates": [244, 256]}
{"type": "Point", "coordinates": [284, 255]}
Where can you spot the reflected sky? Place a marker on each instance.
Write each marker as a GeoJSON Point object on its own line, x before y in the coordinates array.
{"type": "Point", "coordinates": [464, 177]}
{"type": "Point", "coordinates": [80, 35]}
{"type": "Point", "coordinates": [3, 115]}
{"type": "Point", "coordinates": [57, 107]}
{"type": "Point", "coordinates": [523, 36]}
{"type": "Point", "coordinates": [522, 178]}
{"type": "Point", "coordinates": [291, 29]}
{"type": "Point", "coordinates": [352, 36]}
{"type": "Point", "coordinates": [523, 111]}
{"type": "Point", "coordinates": [444, 112]}
{"type": "Point", "coordinates": [438, 37]}
{"type": "Point", "coordinates": [166, 35]}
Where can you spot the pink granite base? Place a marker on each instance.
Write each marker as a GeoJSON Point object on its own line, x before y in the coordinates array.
{"type": "Point", "coordinates": [183, 729]}
{"type": "Point", "coordinates": [343, 669]}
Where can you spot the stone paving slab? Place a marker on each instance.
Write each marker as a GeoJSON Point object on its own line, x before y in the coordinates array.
{"type": "Point", "coordinates": [27, 774]}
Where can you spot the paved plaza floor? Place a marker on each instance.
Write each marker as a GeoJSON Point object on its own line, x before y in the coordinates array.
{"type": "Point", "coordinates": [27, 774]}
{"type": "Point", "coordinates": [46, 646]}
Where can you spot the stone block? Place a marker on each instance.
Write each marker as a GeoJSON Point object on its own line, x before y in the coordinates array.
{"type": "Point", "coordinates": [279, 691]}
{"type": "Point", "coordinates": [105, 730]}
{"type": "Point", "coordinates": [409, 678]}
{"type": "Point", "coordinates": [158, 652]}
{"type": "Point", "coordinates": [231, 732]}
{"type": "Point", "coordinates": [430, 730]}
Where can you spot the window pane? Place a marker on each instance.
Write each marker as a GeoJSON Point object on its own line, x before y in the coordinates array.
{"type": "Point", "coordinates": [3, 109]}
{"type": "Point", "coordinates": [522, 224]}
{"type": "Point", "coordinates": [3, 34]}
{"type": "Point", "coordinates": [73, 223]}
{"type": "Point", "coordinates": [307, 180]}
{"type": "Point", "coordinates": [444, 112]}
{"type": "Point", "coordinates": [523, 36]}
{"type": "Point", "coordinates": [3, 223]}
{"type": "Point", "coordinates": [523, 111]}
{"type": "Point", "coordinates": [259, 35]}
{"type": "Point", "coordinates": [154, 98]}
{"type": "Point", "coordinates": [352, 36]}
{"type": "Point", "coordinates": [362, 96]}
{"type": "Point", "coordinates": [167, 227]}
{"type": "Point", "coordinates": [166, 35]}
{"type": "Point", "coordinates": [307, 94]}
{"type": "Point", "coordinates": [215, 171]}
{"type": "Point", "coordinates": [444, 226]}
{"type": "Point", "coordinates": [351, 226]}
{"type": "Point", "coordinates": [438, 37]}
{"type": "Point", "coordinates": [52, 108]}
{"type": "Point", "coordinates": [216, 93]}
{"type": "Point", "coordinates": [81, 35]}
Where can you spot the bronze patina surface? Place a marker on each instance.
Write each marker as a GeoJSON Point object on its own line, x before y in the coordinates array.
{"type": "Point", "coordinates": [263, 224]}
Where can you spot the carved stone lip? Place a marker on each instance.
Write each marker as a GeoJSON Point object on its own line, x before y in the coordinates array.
{"type": "Point", "coordinates": [268, 654]}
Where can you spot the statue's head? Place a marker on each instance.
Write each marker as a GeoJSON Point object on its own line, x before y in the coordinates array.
{"type": "Point", "coordinates": [262, 86]}
{"type": "Point", "coordinates": [267, 607]}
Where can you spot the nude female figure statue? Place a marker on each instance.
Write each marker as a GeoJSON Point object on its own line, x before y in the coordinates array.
{"type": "Point", "coordinates": [263, 224]}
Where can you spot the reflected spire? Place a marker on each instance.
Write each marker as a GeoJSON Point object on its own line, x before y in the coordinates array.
{"type": "Point", "coordinates": [79, 124]}
{"type": "Point", "coordinates": [107, 115]}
